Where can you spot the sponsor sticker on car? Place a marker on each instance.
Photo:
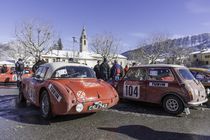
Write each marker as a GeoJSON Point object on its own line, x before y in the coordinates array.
{"type": "Point", "coordinates": [97, 105]}
{"type": "Point", "coordinates": [54, 92]}
{"type": "Point", "coordinates": [158, 84]}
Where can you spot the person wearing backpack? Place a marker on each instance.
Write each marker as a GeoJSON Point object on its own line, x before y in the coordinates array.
{"type": "Point", "coordinates": [19, 68]}
{"type": "Point", "coordinates": [116, 71]}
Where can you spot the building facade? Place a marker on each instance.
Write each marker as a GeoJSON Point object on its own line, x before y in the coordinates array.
{"type": "Point", "coordinates": [200, 57]}
{"type": "Point", "coordinates": [82, 56]}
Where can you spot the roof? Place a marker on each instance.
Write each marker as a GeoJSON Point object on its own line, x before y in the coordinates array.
{"type": "Point", "coordinates": [161, 65]}
{"type": "Point", "coordinates": [199, 69]}
{"type": "Point", "coordinates": [55, 65]}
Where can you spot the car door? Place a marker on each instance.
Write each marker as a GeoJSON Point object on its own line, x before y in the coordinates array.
{"type": "Point", "coordinates": [160, 81]}
{"type": "Point", "coordinates": [35, 84]}
{"type": "Point", "coordinates": [133, 85]}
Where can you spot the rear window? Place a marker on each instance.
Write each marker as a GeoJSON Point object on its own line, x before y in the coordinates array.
{"type": "Point", "coordinates": [186, 74]}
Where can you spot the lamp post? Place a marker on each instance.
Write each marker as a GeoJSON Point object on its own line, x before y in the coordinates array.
{"type": "Point", "coordinates": [74, 41]}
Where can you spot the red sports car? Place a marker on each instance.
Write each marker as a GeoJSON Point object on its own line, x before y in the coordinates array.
{"type": "Point", "coordinates": [67, 88]}
{"type": "Point", "coordinates": [9, 76]}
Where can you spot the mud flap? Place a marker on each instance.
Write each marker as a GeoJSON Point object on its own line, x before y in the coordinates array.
{"type": "Point", "coordinates": [187, 110]}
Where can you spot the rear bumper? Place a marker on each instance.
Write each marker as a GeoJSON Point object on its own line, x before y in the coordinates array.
{"type": "Point", "coordinates": [195, 103]}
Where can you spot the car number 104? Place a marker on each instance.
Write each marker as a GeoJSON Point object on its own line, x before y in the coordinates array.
{"type": "Point", "coordinates": [131, 91]}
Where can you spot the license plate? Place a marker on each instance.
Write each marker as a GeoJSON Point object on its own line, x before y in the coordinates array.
{"type": "Point", "coordinates": [97, 105]}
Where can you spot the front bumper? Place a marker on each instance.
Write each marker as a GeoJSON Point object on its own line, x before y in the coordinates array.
{"type": "Point", "coordinates": [197, 103]}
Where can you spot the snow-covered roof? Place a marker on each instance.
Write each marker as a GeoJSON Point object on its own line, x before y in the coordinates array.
{"type": "Point", "coordinates": [201, 52]}
{"type": "Point", "coordinates": [6, 62]}
{"type": "Point", "coordinates": [80, 55]}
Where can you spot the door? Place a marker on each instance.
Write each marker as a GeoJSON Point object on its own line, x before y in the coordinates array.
{"type": "Point", "coordinates": [160, 81]}
{"type": "Point", "coordinates": [35, 84]}
{"type": "Point", "coordinates": [133, 85]}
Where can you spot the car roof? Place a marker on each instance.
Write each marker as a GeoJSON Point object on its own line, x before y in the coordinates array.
{"type": "Point", "coordinates": [56, 65]}
{"type": "Point", "coordinates": [199, 69]}
{"type": "Point", "coordinates": [160, 65]}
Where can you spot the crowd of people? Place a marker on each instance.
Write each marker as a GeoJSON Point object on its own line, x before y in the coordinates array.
{"type": "Point", "coordinates": [102, 70]}
{"type": "Point", "coordinates": [115, 73]}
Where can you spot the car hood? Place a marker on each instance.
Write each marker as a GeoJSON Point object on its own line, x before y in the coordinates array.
{"type": "Point", "coordinates": [89, 89]}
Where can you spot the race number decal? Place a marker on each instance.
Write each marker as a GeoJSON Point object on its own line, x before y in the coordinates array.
{"type": "Point", "coordinates": [131, 91]}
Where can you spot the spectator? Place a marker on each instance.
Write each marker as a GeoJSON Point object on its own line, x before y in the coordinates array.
{"type": "Point", "coordinates": [105, 70]}
{"type": "Point", "coordinates": [4, 68]}
{"type": "Point", "coordinates": [19, 68]}
{"type": "Point", "coordinates": [126, 69]}
{"type": "Point", "coordinates": [37, 64]}
{"type": "Point", "coordinates": [97, 69]}
{"type": "Point", "coordinates": [116, 71]}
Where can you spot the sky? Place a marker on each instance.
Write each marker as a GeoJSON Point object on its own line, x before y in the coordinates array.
{"type": "Point", "coordinates": [130, 21]}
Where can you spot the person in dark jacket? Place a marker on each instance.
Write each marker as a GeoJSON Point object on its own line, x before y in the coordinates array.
{"type": "Point", "coordinates": [105, 70]}
{"type": "Point", "coordinates": [116, 71]}
{"type": "Point", "coordinates": [37, 64]}
{"type": "Point", "coordinates": [4, 68]}
{"type": "Point", "coordinates": [19, 68]}
{"type": "Point", "coordinates": [97, 70]}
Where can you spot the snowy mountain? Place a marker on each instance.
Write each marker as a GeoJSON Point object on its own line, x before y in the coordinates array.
{"type": "Point", "coordinates": [194, 42]}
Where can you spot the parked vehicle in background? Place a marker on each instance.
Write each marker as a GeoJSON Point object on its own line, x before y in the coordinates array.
{"type": "Point", "coordinates": [10, 76]}
{"type": "Point", "coordinates": [67, 88]}
{"type": "Point", "coordinates": [171, 86]}
{"type": "Point", "coordinates": [203, 75]}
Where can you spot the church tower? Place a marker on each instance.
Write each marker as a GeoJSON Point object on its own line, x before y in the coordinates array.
{"type": "Point", "coordinates": [83, 41]}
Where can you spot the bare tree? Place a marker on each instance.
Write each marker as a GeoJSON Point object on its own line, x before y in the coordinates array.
{"type": "Point", "coordinates": [15, 50]}
{"type": "Point", "coordinates": [106, 45]}
{"type": "Point", "coordinates": [152, 48]}
{"type": "Point", "coordinates": [36, 38]}
{"type": "Point", "coordinates": [179, 54]}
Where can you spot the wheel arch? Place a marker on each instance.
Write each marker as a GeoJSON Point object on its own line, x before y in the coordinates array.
{"type": "Point", "coordinates": [173, 94]}
{"type": "Point", "coordinates": [40, 93]}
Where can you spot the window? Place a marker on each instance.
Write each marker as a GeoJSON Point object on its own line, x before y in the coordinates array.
{"type": "Point", "coordinates": [74, 72]}
{"type": "Point", "coordinates": [207, 56]}
{"type": "Point", "coordinates": [186, 74]}
{"type": "Point", "coordinates": [57, 59]}
{"type": "Point", "coordinates": [84, 42]}
{"type": "Point", "coordinates": [160, 74]}
{"type": "Point", "coordinates": [41, 72]}
{"type": "Point", "coordinates": [136, 74]}
{"type": "Point", "coordinates": [194, 55]}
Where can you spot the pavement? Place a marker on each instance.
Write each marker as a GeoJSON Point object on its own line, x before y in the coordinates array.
{"type": "Point", "coordinates": [124, 121]}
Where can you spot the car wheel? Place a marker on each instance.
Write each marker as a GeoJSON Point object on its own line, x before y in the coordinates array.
{"type": "Point", "coordinates": [45, 105]}
{"type": "Point", "coordinates": [173, 105]}
{"type": "Point", "coordinates": [21, 98]}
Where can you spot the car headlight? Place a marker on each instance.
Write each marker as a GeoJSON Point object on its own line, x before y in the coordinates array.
{"type": "Point", "coordinates": [79, 107]}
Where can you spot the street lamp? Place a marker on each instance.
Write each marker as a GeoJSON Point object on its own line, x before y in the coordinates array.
{"type": "Point", "coordinates": [74, 41]}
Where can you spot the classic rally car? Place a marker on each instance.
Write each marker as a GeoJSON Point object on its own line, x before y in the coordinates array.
{"type": "Point", "coordinates": [171, 86]}
{"type": "Point", "coordinates": [67, 88]}
{"type": "Point", "coordinates": [10, 76]}
{"type": "Point", "coordinates": [202, 75]}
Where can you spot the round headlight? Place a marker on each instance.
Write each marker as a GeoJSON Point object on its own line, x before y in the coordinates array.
{"type": "Point", "coordinates": [79, 107]}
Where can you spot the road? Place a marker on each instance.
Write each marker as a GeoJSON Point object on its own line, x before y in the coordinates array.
{"type": "Point", "coordinates": [124, 121]}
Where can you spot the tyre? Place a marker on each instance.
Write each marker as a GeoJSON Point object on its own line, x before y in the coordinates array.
{"type": "Point", "coordinates": [173, 105]}
{"type": "Point", "coordinates": [21, 98]}
{"type": "Point", "coordinates": [45, 105]}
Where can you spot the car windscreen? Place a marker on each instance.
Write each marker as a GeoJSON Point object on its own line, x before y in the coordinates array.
{"type": "Point", "coordinates": [74, 72]}
{"type": "Point", "coordinates": [186, 74]}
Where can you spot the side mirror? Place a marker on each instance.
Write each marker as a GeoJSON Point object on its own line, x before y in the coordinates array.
{"type": "Point", "coordinates": [38, 77]}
